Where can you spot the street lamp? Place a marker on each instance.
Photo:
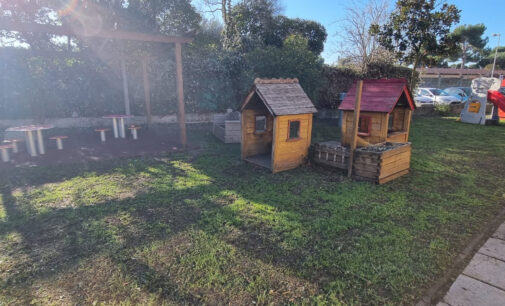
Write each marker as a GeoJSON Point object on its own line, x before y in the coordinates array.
{"type": "Point", "coordinates": [496, 52]}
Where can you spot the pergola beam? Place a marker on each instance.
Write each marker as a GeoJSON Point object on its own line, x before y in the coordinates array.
{"type": "Point", "coordinates": [9, 25]}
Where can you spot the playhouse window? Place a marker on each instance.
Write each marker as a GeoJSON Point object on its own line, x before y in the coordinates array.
{"type": "Point", "coordinates": [294, 130]}
{"type": "Point", "coordinates": [364, 125]}
{"type": "Point", "coordinates": [260, 124]}
{"type": "Point", "coordinates": [391, 126]}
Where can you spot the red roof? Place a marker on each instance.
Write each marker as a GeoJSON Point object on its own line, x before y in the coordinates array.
{"type": "Point", "coordinates": [378, 95]}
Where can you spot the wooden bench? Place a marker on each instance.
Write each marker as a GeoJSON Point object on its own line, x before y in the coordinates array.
{"type": "Point", "coordinates": [5, 152]}
{"type": "Point", "coordinates": [59, 141]}
{"type": "Point", "coordinates": [102, 133]}
{"type": "Point", "coordinates": [134, 129]}
{"type": "Point", "coordinates": [14, 143]}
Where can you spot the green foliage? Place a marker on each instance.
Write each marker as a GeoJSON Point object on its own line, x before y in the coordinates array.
{"type": "Point", "coordinates": [443, 109]}
{"type": "Point", "coordinates": [338, 80]}
{"type": "Point", "coordinates": [212, 79]}
{"type": "Point", "coordinates": [292, 60]}
{"type": "Point", "coordinates": [313, 31]}
{"type": "Point", "coordinates": [417, 28]}
{"type": "Point", "coordinates": [255, 24]}
{"type": "Point", "coordinates": [35, 87]}
{"type": "Point", "coordinates": [86, 79]}
{"type": "Point", "coordinates": [488, 57]}
{"type": "Point", "coordinates": [471, 42]}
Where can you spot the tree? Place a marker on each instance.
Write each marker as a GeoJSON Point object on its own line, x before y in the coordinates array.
{"type": "Point", "coordinates": [417, 29]}
{"type": "Point", "coordinates": [360, 47]}
{"type": "Point", "coordinates": [250, 24]}
{"type": "Point", "coordinates": [293, 60]}
{"type": "Point", "coordinates": [470, 41]}
{"type": "Point", "coordinates": [487, 58]}
{"type": "Point", "coordinates": [314, 32]}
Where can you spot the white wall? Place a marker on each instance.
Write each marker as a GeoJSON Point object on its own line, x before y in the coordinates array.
{"type": "Point", "coordinates": [84, 122]}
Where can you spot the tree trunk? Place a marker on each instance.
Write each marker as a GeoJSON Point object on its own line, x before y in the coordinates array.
{"type": "Point", "coordinates": [416, 62]}
{"type": "Point", "coordinates": [224, 12]}
{"type": "Point", "coordinates": [463, 55]}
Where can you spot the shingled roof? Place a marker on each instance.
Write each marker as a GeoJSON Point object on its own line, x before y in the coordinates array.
{"type": "Point", "coordinates": [378, 95]}
{"type": "Point", "coordinates": [282, 96]}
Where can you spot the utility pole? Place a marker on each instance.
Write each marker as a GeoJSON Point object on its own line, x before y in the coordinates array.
{"type": "Point", "coordinates": [495, 53]}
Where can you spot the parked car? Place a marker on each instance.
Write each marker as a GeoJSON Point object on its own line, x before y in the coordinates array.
{"type": "Point", "coordinates": [422, 100]}
{"type": "Point", "coordinates": [439, 96]}
{"type": "Point", "coordinates": [463, 93]}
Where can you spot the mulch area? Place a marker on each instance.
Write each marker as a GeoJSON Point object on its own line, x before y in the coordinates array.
{"type": "Point", "coordinates": [85, 145]}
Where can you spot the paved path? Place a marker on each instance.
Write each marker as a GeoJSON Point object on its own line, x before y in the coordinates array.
{"type": "Point", "coordinates": [483, 280]}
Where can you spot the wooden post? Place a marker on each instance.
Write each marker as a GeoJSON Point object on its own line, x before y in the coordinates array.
{"type": "Point", "coordinates": [125, 86]}
{"type": "Point", "coordinates": [180, 94]}
{"type": "Point", "coordinates": [355, 126]}
{"type": "Point", "coordinates": [147, 92]}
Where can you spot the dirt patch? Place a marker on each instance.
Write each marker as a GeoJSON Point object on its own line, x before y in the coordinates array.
{"type": "Point", "coordinates": [85, 145]}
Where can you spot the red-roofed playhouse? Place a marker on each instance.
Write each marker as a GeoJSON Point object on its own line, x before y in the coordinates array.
{"type": "Point", "coordinates": [386, 110]}
{"type": "Point", "coordinates": [382, 135]}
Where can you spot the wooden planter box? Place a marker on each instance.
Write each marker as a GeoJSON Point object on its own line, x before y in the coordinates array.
{"type": "Point", "coordinates": [369, 165]}
{"type": "Point", "coordinates": [228, 131]}
{"type": "Point", "coordinates": [382, 167]}
{"type": "Point", "coordinates": [330, 153]}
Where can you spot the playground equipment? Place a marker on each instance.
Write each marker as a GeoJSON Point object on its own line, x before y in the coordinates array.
{"type": "Point", "coordinates": [276, 124]}
{"type": "Point", "coordinates": [497, 97]}
{"type": "Point", "coordinates": [376, 118]}
{"type": "Point", "coordinates": [483, 90]}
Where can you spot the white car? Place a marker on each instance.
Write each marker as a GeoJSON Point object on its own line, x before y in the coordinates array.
{"type": "Point", "coordinates": [463, 93]}
{"type": "Point", "coordinates": [439, 96]}
{"type": "Point", "coordinates": [422, 100]}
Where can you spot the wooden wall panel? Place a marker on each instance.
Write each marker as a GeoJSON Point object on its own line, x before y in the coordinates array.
{"type": "Point", "coordinates": [289, 154]}
{"type": "Point", "coordinates": [378, 132]}
{"type": "Point", "coordinates": [255, 143]}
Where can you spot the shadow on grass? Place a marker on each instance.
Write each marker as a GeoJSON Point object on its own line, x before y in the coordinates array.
{"type": "Point", "coordinates": [361, 241]}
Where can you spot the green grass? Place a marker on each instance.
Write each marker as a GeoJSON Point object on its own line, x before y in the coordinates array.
{"type": "Point", "coordinates": [203, 227]}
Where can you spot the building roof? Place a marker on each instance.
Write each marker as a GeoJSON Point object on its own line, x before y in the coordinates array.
{"type": "Point", "coordinates": [378, 95]}
{"type": "Point", "coordinates": [282, 96]}
{"type": "Point", "coordinates": [457, 71]}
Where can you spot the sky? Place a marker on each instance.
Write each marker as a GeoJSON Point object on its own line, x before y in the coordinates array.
{"type": "Point", "coordinates": [329, 12]}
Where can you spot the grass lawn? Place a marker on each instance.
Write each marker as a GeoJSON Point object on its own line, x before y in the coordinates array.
{"type": "Point", "coordinates": [203, 227]}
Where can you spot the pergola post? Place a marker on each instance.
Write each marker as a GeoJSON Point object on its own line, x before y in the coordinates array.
{"type": "Point", "coordinates": [125, 86]}
{"type": "Point", "coordinates": [180, 94]}
{"type": "Point", "coordinates": [147, 91]}
{"type": "Point", "coordinates": [65, 30]}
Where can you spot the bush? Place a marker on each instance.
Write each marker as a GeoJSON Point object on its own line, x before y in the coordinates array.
{"type": "Point", "coordinates": [443, 109]}
{"type": "Point", "coordinates": [292, 60]}
{"type": "Point", "coordinates": [338, 80]}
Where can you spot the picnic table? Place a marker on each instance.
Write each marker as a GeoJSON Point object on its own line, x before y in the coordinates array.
{"type": "Point", "coordinates": [115, 118]}
{"type": "Point", "coordinates": [30, 141]}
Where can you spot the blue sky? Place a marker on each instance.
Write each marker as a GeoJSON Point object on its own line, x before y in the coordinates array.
{"type": "Point", "coordinates": [329, 12]}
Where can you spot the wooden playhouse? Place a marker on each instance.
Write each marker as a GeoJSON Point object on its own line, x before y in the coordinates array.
{"type": "Point", "coordinates": [385, 112]}
{"type": "Point", "coordinates": [276, 124]}
{"type": "Point", "coordinates": [381, 132]}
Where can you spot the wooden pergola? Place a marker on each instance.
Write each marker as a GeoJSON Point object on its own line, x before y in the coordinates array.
{"type": "Point", "coordinates": [9, 25]}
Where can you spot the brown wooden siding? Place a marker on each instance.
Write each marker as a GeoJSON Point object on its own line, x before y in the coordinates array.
{"type": "Point", "coordinates": [401, 125]}
{"type": "Point", "coordinates": [378, 131]}
{"type": "Point", "coordinates": [256, 143]}
{"type": "Point", "coordinates": [289, 154]}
